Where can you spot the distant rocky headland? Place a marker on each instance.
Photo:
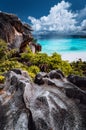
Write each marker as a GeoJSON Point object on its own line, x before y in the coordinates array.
{"type": "Point", "coordinates": [55, 34]}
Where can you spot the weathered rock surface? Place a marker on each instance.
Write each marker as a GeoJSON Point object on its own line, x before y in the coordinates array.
{"type": "Point", "coordinates": [51, 103]}
{"type": "Point", "coordinates": [78, 81]}
{"type": "Point", "coordinates": [15, 33]}
{"type": "Point", "coordinates": [13, 112]}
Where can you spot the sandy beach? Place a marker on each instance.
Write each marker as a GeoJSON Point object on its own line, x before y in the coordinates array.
{"type": "Point", "coordinates": [74, 56]}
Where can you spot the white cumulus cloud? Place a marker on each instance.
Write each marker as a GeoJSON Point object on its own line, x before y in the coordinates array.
{"type": "Point", "coordinates": [82, 14]}
{"type": "Point", "coordinates": [83, 25]}
{"type": "Point", "coordinates": [60, 19]}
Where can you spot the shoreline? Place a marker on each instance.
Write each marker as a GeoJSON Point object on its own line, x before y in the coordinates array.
{"type": "Point", "coordinates": [74, 56]}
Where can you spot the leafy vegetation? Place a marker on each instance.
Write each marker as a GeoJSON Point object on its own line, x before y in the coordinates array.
{"type": "Point", "coordinates": [7, 58]}
{"type": "Point", "coordinates": [2, 79]}
{"type": "Point", "coordinates": [79, 67]}
{"type": "Point", "coordinates": [33, 63]}
{"type": "Point", "coordinates": [47, 63]}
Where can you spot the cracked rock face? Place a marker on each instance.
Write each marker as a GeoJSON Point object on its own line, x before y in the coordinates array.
{"type": "Point", "coordinates": [49, 103]}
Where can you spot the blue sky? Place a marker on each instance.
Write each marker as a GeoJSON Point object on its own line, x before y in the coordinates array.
{"type": "Point", "coordinates": [41, 11]}
{"type": "Point", "coordinates": [35, 8]}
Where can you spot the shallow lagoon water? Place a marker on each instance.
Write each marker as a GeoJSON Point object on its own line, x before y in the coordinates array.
{"type": "Point", "coordinates": [70, 48]}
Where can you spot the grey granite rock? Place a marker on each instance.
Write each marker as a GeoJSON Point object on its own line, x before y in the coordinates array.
{"type": "Point", "coordinates": [54, 104]}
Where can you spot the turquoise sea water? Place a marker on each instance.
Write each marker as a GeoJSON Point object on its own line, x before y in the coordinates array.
{"type": "Point", "coordinates": [63, 45]}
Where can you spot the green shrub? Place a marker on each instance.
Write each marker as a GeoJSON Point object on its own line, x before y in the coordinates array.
{"type": "Point", "coordinates": [2, 79]}
{"type": "Point", "coordinates": [79, 67]}
{"type": "Point", "coordinates": [33, 69]}
{"type": "Point", "coordinates": [47, 63]}
{"type": "Point", "coordinates": [8, 65]}
{"type": "Point", "coordinates": [66, 67]}
{"type": "Point", "coordinates": [32, 75]}
{"type": "Point", "coordinates": [40, 58]}
{"type": "Point", "coordinates": [27, 55]}
{"type": "Point", "coordinates": [3, 49]}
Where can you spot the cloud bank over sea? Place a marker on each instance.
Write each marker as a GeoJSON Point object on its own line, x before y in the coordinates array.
{"type": "Point", "coordinates": [61, 20]}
